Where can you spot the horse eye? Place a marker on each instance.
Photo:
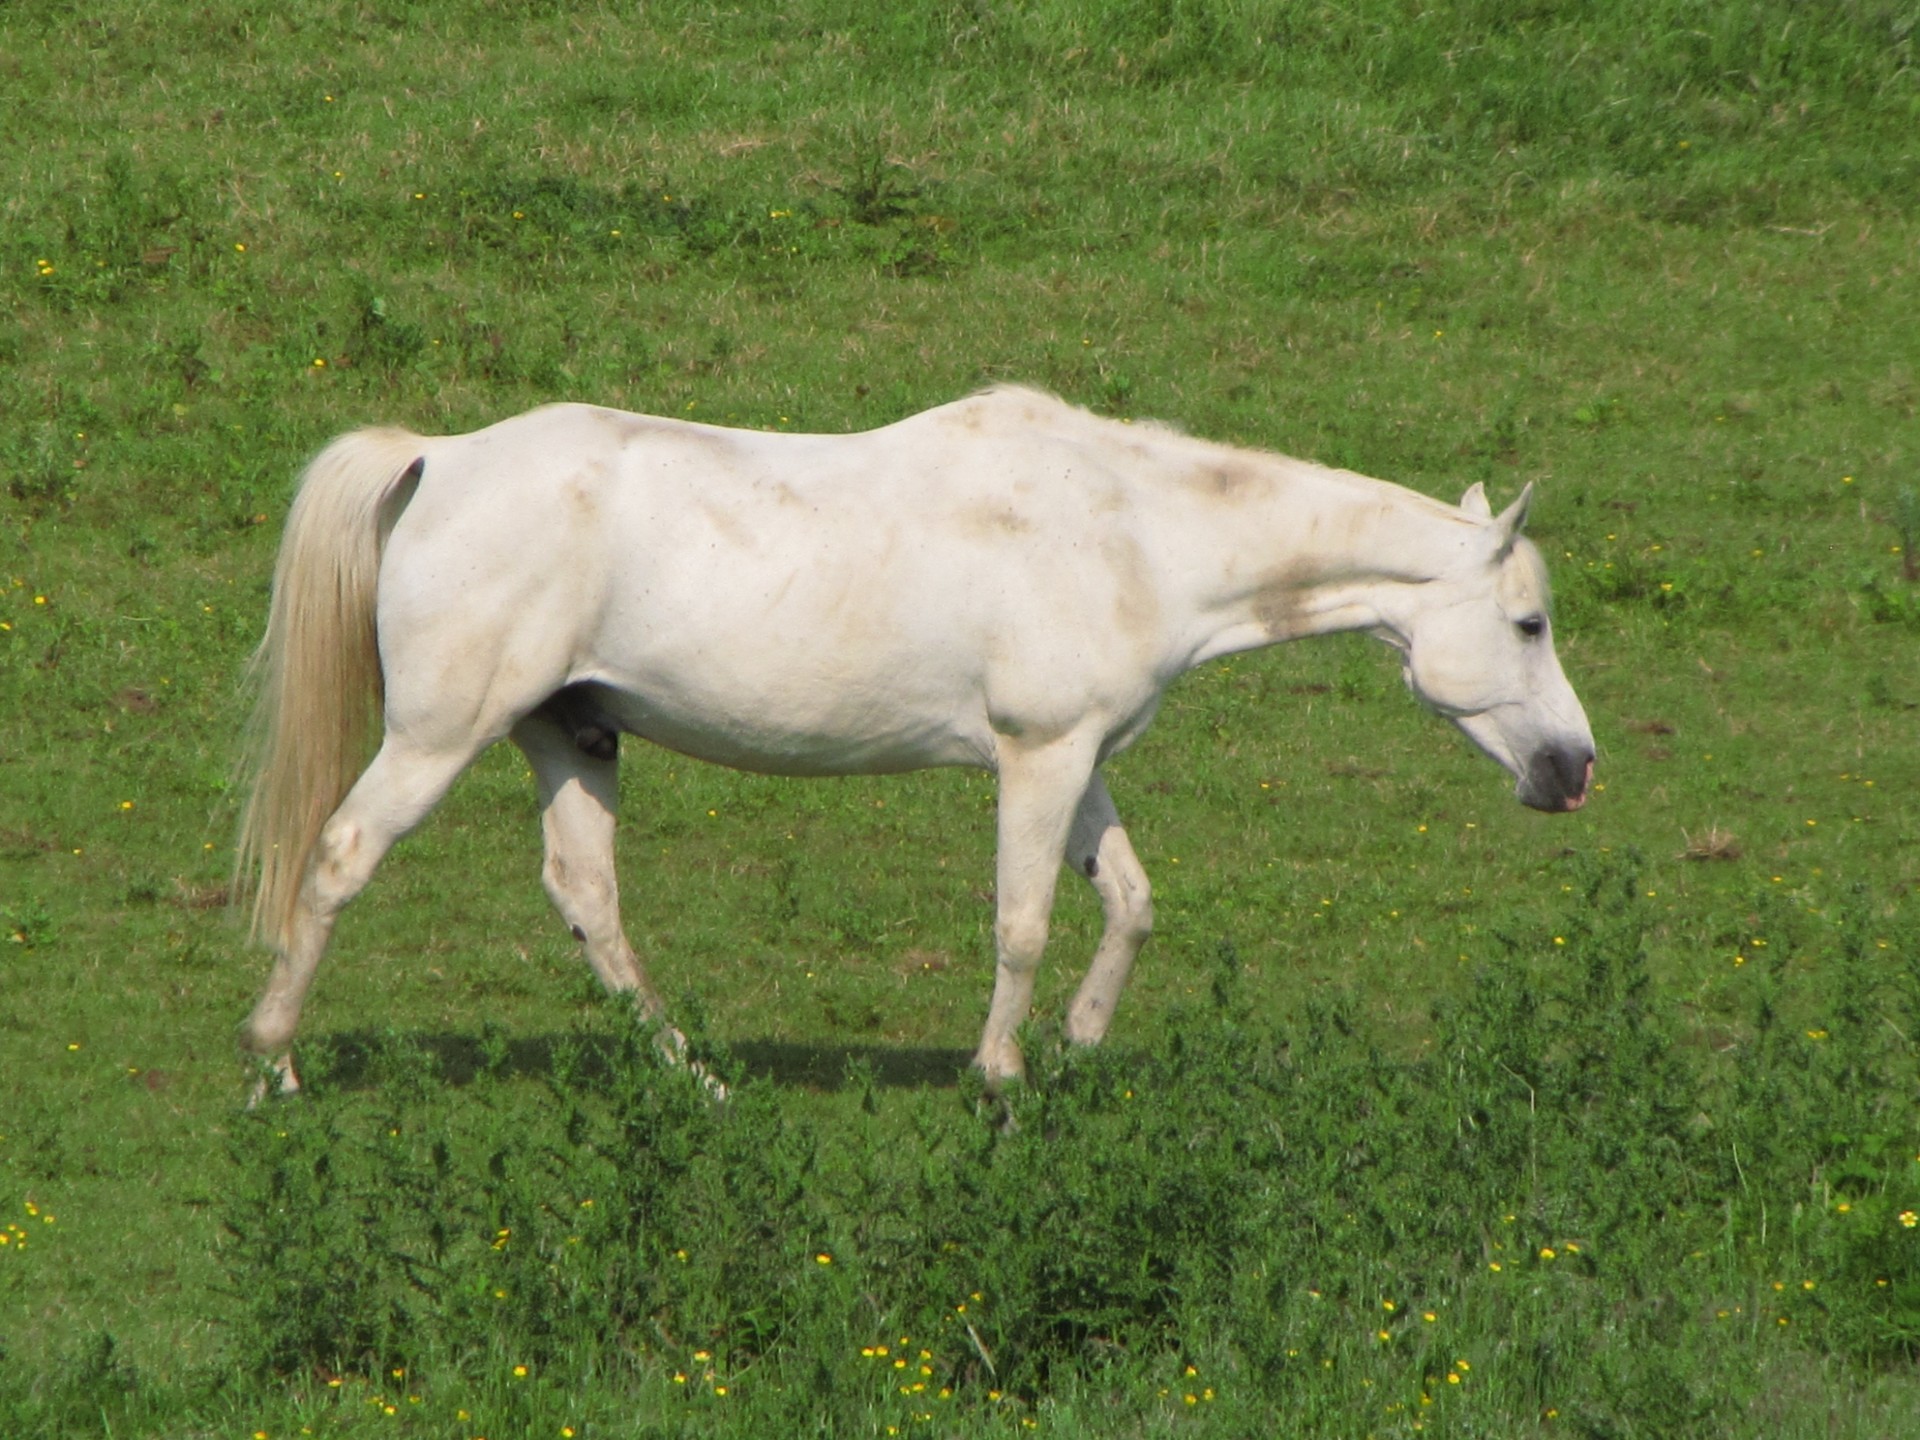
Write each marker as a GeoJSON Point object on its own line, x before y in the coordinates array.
{"type": "Point", "coordinates": [1533, 626]}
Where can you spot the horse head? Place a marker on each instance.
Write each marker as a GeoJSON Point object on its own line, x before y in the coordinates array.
{"type": "Point", "coordinates": [1477, 645]}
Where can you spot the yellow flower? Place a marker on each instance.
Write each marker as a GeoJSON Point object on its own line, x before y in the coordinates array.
{"type": "Point", "coordinates": [519, 1372]}
{"type": "Point", "coordinates": [1909, 1219]}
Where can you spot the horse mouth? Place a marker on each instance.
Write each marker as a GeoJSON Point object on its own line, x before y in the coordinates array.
{"type": "Point", "coordinates": [1558, 781]}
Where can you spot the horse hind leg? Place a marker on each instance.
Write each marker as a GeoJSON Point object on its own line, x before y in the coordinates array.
{"type": "Point", "coordinates": [579, 794]}
{"type": "Point", "coordinates": [1098, 850]}
{"type": "Point", "coordinates": [392, 795]}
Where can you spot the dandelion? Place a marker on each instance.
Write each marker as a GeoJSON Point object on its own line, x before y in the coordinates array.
{"type": "Point", "coordinates": [823, 1258]}
{"type": "Point", "coordinates": [1909, 1219]}
{"type": "Point", "coordinates": [519, 1372]}
{"type": "Point", "coordinates": [1546, 1252]}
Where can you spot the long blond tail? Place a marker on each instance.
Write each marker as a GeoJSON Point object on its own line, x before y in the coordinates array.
{"type": "Point", "coordinates": [317, 670]}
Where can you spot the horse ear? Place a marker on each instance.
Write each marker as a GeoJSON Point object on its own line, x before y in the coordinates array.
{"type": "Point", "coordinates": [1474, 502]}
{"type": "Point", "coordinates": [1513, 518]}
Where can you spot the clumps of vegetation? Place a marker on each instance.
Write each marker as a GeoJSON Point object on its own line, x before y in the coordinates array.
{"type": "Point", "coordinates": [1565, 1206]}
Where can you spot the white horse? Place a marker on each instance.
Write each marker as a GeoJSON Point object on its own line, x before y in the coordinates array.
{"type": "Point", "coordinates": [1005, 582]}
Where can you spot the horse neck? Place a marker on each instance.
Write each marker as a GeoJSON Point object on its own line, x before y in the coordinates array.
{"type": "Point", "coordinates": [1302, 550]}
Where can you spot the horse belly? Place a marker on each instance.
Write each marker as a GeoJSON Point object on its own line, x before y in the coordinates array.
{"type": "Point", "coordinates": [795, 723]}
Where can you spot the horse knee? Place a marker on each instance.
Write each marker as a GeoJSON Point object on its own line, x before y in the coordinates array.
{"type": "Point", "coordinates": [1127, 901]}
{"type": "Point", "coordinates": [1021, 940]}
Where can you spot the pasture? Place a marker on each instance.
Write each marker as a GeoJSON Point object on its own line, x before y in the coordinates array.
{"type": "Point", "coordinates": [1424, 1113]}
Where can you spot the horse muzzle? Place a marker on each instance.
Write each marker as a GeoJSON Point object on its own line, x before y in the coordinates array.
{"type": "Point", "coordinates": [1557, 779]}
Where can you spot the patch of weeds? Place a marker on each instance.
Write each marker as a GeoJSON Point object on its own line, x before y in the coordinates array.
{"type": "Point", "coordinates": [1291, 1208]}
{"type": "Point", "coordinates": [381, 338]}
{"type": "Point", "coordinates": [43, 465]}
{"type": "Point", "coordinates": [26, 923]}
{"type": "Point", "coordinates": [875, 189]}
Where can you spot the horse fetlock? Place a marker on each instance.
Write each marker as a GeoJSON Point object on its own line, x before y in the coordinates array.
{"type": "Point", "coordinates": [274, 1077]}
{"type": "Point", "coordinates": [1000, 1065]}
{"type": "Point", "coordinates": [1088, 1019]}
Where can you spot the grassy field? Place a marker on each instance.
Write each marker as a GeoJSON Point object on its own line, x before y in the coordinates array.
{"type": "Point", "coordinates": [1424, 1113]}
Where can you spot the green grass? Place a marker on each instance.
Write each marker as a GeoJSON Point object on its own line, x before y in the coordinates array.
{"type": "Point", "coordinates": [1657, 257]}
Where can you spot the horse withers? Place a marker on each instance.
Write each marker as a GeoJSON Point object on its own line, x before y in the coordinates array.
{"type": "Point", "coordinates": [1005, 582]}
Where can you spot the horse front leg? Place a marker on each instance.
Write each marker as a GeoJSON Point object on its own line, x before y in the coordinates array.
{"type": "Point", "coordinates": [1040, 789]}
{"type": "Point", "coordinates": [1098, 850]}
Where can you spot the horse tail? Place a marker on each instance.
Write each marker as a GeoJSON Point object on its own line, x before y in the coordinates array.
{"type": "Point", "coordinates": [317, 672]}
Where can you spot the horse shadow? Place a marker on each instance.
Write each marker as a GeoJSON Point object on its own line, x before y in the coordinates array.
{"type": "Point", "coordinates": [358, 1059]}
